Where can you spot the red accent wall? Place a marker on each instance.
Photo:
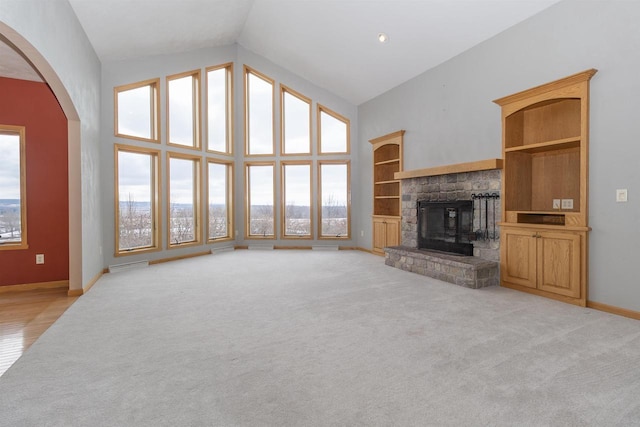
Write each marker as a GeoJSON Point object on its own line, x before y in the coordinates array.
{"type": "Point", "coordinates": [33, 105]}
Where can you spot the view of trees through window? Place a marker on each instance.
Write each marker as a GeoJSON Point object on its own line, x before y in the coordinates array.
{"type": "Point", "coordinates": [334, 188]}
{"type": "Point", "coordinates": [183, 199]}
{"type": "Point", "coordinates": [136, 193]}
{"type": "Point", "coordinates": [218, 207]}
{"type": "Point", "coordinates": [10, 188]}
{"type": "Point", "coordinates": [312, 197]}
{"type": "Point", "coordinates": [297, 199]}
{"type": "Point", "coordinates": [260, 199]}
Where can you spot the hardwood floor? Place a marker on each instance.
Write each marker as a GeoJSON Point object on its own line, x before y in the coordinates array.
{"type": "Point", "coordinates": [24, 316]}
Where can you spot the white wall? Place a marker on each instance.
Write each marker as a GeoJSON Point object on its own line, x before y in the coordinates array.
{"type": "Point", "coordinates": [450, 118]}
{"type": "Point", "coordinates": [118, 73]}
{"type": "Point", "coordinates": [51, 27]}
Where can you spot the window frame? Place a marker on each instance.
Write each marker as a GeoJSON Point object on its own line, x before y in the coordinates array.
{"type": "Point", "coordinates": [229, 199]}
{"type": "Point", "coordinates": [22, 134]}
{"type": "Point", "coordinates": [197, 198]}
{"type": "Point", "coordinates": [319, 199]}
{"type": "Point", "coordinates": [247, 152]}
{"type": "Point", "coordinates": [247, 197]}
{"type": "Point", "coordinates": [196, 120]}
{"type": "Point", "coordinates": [154, 109]}
{"type": "Point", "coordinates": [155, 203]}
{"type": "Point", "coordinates": [322, 109]}
{"type": "Point", "coordinates": [283, 199]}
{"type": "Point", "coordinates": [229, 108]}
{"type": "Point", "coordinates": [285, 89]}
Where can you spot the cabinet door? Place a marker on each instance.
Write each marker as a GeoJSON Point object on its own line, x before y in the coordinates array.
{"type": "Point", "coordinates": [392, 233]}
{"type": "Point", "coordinates": [559, 263]}
{"type": "Point", "coordinates": [379, 234]}
{"type": "Point", "coordinates": [519, 257]}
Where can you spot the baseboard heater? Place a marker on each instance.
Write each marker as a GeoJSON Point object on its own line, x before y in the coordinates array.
{"type": "Point", "coordinates": [127, 266]}
{"type": "Point", "coordinates": [325, 248]}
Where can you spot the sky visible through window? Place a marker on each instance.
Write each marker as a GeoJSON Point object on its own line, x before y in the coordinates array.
{"type": "Point", "coordinates": [296, 125]}
{"type": "Point", "coordinates": [134, 112]}
{"type": "Point", "coordinates": [217, 110]}
{"type": "Point", "coordinates": [10, 210]}
{"type": "Point", "coordinates": [181, 114]}
{"type": "Point", "coordinates": [260, 115]}
{"type": "Point", "coordinates": [333, 134]}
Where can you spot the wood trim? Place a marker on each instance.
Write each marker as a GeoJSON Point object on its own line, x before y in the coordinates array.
{"type": "Point", "coordinates": [20, 131]}
{"type": "Point", "coordinates": [229, 104]}
{"type": "Point", "coordinates": [247, 199]}
{"type": "Point", "coordinates": [283, 199]}
{"type": "Point", "coordinates": [154, 108]}
{"type": "Point", "coordinates": [229, 164]}
{"type": "Point", "coordinates": [285, 89]}
{"type": "Point", "coordinates": [614, 310]}
{"type": "Point", "coordinates": [246, 70]}
{"type": "Point", "coordinates": [548, 87]}
{"type": "Point", "coordinates": [155, 202]}
{"type": "Point", "coordinates": [85, 289]}
{"type": "Point", "coordinates": [385, 138]}
{"type": "Point", "coordinates": [196, 76]}
{"type": "Point", "coordinates": [179, 257]}
{"type": "Point", "coordinates": [575, 301]}
{"type": "Point", "coordinates": [479, 165]}
{"type": "Point", "coordinates": [197, 197]}
{"type": "Point", "coordinates": [319, 199]}
{"type": "Point", "coordinates": [322, 109]}
{"type": "Point", "coordinates": [32, 286]}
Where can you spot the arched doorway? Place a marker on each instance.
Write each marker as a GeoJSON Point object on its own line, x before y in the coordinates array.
{"type": "Point", "coordinates": [39, 63]}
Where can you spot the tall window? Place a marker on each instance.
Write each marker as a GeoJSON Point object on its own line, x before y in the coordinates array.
{"type": "Point", "coordinates": [184, 199]}
{"type": "Point", "coordinates": [220, 108]}
{"type": "Point", "coordinates": [296, 199]}
{"type": "Point", "coordinates": [137, 110]}
{"type": "Point", "coordinates": [333, 132]}
{"type": "Point", "coordinates": [335, 203]}
{"type": "Point", "coordinates": [13, 192]}
{"type": "Point", "coordinates": [258, 113]}
{"type": "Point", "coordinates": [183, 109]}
{"type": "Point", "coordinates": [136, 196]}
{"type": "Point", "coordinates": [296, 122]}
{"type": "Point", "coordinates": [260, 199]}
{"type": "Point", "coordinates": [219, 205]}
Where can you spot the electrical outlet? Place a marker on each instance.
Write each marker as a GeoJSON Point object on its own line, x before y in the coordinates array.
{"type": "Point", "coordinates": [39, 258]}
{"type": "Point", "coordinates": [567, 203]}
{"type": "Point", "coordinates": [361, 233]}
{"type": "Point", "coordinates": [556, 203]}
{"type": "Point", "coordinates": [621, 195]}
{"type": "Point", "coordinates": [236, 233]}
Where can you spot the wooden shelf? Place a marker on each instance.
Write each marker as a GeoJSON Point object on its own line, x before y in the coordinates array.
{"type": "Point", "coordinates": [386, 162]}
{"type": "Point", "coordinates": [541, 147]}
{"type": "Point", "coordinates": [479, 165]}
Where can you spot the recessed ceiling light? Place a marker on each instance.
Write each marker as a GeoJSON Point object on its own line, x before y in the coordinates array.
{"type": "Point", "coordinates": [383, 38]}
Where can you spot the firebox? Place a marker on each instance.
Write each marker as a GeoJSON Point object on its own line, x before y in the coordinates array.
{"type": "Point", "coordinates": [446, 226]}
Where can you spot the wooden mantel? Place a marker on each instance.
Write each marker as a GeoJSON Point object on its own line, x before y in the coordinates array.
{"type": "Point", "coordinates": [480, 165]}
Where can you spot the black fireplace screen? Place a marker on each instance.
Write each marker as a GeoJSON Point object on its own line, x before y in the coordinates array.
{"type": "Point", "coordinates": [446, 226]}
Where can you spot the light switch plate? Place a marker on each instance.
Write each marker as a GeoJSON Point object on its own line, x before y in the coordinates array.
{"type": "Point", "coordinates": [556, 203]}
{"type": "Point", "coordinates": [39, 258]}
{"type": "Point", "coordinates": [621, 195]}
{"type": "Point", "coordinates": [567, 203]}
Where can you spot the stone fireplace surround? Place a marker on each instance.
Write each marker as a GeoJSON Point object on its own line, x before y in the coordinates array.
{"type": "Point", "coordinates": [477, 271]}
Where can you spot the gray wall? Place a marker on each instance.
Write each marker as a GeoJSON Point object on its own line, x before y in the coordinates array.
{"type": "Point", "coordinates": [450, 118]}
{"type": "Point", "coordinates": [53, 29]}
{"type": "Point", "coordinates": [118, 73]}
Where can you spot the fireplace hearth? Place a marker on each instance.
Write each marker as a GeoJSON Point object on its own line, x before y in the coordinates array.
{"type": "Point", "coordinates": [446, 226]}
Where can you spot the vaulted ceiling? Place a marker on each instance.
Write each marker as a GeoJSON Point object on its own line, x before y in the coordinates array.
{"type": "Point", "coordinates": [332, 43]}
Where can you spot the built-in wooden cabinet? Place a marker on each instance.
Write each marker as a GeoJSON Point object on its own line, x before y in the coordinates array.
{"type": "Point", "coordinates": [387, 197]}
{"type": "Point", "coordinates": [544, 228]}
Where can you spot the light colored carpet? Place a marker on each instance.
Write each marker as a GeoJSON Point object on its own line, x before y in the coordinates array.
{"type": "Point", "coordinates": [306, 338]}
